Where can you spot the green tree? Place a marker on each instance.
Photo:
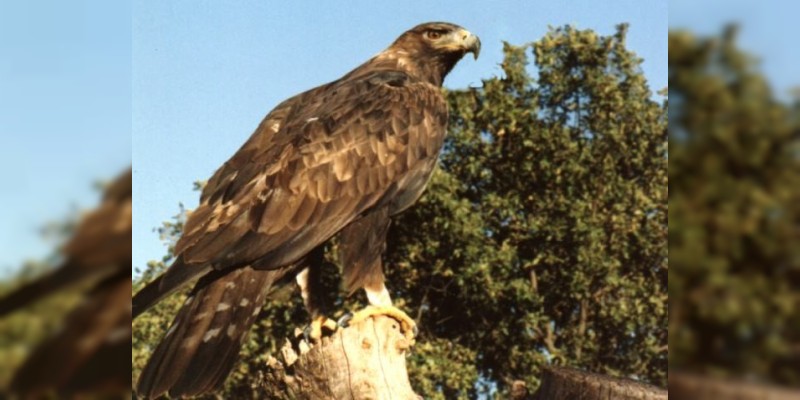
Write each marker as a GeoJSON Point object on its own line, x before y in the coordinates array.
{"type": "Point", "coordinates": [734, 211]}
{"type": "Point", "coordinates": [542, 239]}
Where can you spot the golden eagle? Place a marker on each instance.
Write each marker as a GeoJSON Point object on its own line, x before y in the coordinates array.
{"type": "Point", "coordinates": [340, 159]}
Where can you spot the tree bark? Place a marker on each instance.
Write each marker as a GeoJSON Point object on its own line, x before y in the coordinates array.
{"type": "Point", "coordinates": [368, 361]}
{"type": "Point", "coordinates": [687, 386]}
{"type": "Point", "coordinates": [363, 361]}
{"type": "Point", "coordinates": [564, 383]}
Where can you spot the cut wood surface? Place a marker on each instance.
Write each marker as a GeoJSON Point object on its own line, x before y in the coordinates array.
{"type": "Point", "coordinates": [363, 361]}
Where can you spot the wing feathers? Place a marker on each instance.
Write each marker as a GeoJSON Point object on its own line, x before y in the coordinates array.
{"type": "Point", "coordinates": [304, 211]}
{"type": "Point", "coordinates": [280, 209]}
{"type": "Point", "coordinates": [316, 163]}
{"type": "Point", "coordinates": [343, 167]}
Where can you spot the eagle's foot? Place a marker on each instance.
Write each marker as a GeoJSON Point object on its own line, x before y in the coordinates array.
{"type": "Point", "coordinates": [407, 324]}
{"type": "Point", "coordinates": [318, 327]}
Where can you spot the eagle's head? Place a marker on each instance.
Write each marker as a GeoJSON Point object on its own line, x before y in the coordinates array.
{"type": "Point", "coordinates": [438, 39]}
{"type": "Point", "coordinates": [432, 49]}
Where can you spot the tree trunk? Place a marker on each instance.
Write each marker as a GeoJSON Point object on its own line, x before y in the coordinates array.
{"type": "Point", "coordinates": [564, 383]}
{"type": "Point", "coordinates": [686, 386]}
{"type": "Point", "coordinates": [364, 361]}
{"type": "Point", "coordinates": [368, 361]}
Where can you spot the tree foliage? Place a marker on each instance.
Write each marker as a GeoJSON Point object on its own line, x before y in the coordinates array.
{"type": "Point", "coordinates": [542, 238]}
{"type": "Point", "coordinates": [734, 211]}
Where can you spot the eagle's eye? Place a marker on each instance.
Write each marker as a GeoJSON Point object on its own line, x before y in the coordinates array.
{"type": "Point", "coordinates": [433, 35]}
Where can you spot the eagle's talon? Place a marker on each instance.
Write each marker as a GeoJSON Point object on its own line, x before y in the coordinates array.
{"type": "Point", "coordinates": [344, 321]}
{"type": "Point", "coordinates": [407, 325]}
{"type": "Point", "coordinates": [317, 328]}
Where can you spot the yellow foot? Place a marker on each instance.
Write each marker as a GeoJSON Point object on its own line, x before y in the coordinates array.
{"type": "Point", "coordinates": [318, 326]}
{"type": "Point", "coordinates": [407, 324]}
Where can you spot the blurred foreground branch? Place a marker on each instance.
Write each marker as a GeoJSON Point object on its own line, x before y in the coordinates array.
{"type": "Point", "coordinates": [86, 355]}
{"type": "Point", "coordinates": [687, 386]}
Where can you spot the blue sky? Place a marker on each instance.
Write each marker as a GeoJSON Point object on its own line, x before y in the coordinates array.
{"type": "Point", "coordinates": [65, 73]}
{"type": "Point", "coordinates": [206, 72]}
{"type": "Point", "coordinates": [190, 81]}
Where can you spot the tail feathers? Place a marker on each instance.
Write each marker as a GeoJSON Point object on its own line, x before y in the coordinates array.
{"type": "Point", "coordinates": [168, 283]}
{"type": "Point", "coordinates": [199, 350]}
{"type": "Point", "coordinates": [44, 286]}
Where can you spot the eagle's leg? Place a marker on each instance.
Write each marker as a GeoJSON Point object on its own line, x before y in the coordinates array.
{"type": "Point", "coordinates": [308, 281]}
{"type": "Point", "coordinates": [380, 303]}
{"type": "Point", "coordinates": [361, 245]}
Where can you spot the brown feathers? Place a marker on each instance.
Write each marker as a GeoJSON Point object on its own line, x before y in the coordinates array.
{"type": "Point", "coordinates": [199, 348]}
{"type": "Point", "coordinates": [356, 142]}
{"type": "Point", "coordinates": [353, 153]}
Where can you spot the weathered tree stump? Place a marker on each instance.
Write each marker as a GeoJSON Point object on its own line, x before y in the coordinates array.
{"type": "Point", "coordinates": [364, 361]}
{"type": "Point", "coordinates": [564, 383]}
{"type": "Point", "coordinates": [687, 386]}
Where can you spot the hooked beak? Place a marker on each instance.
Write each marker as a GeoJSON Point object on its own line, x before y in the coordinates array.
{"type": "Point", "coordinates": [470, 43]}
{"type": "Point", "coordinates": [463, 41]}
